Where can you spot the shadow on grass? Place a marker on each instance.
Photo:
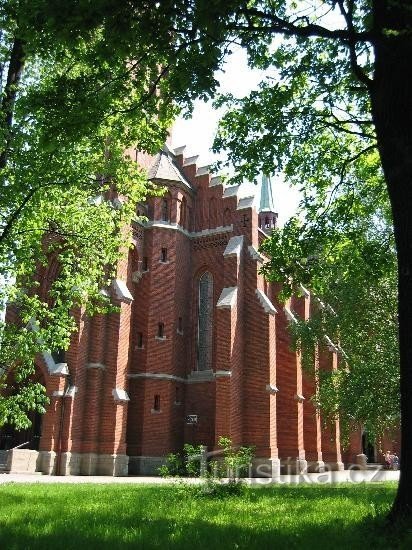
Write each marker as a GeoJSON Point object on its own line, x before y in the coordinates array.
{"type": "Point", "coordinates": [161, 519]}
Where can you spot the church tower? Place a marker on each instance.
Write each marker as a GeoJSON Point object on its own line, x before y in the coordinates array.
{"type": "Point", "coordinates": [267, 215]}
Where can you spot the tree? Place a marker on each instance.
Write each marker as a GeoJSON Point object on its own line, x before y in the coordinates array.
{"type": "Point", "coordinates": [344, 251]}
{"type": "Point", "coordinates": [81, 83]}
{"type": "Point", "coordinates": [348, 76]}
{"type": "Point", "coordinates": [358, 67]}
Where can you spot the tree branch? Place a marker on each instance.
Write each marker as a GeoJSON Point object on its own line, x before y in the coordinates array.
{"type": "Point", "coordinates": [282, 26]}
{"type": "Point", "coordinates": [15, 71]}
{"type": "Point", "coordinates": [356, 69]}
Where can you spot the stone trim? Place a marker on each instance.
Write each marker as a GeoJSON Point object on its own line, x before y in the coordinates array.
{"type": "Point", "coordinates": [59, 369]}
{"type": "Point", "coordinates": [299, 398]}
{"type": "Point", "coordinates": [215, 180]}
{"type": "Point", "coordinates": [71, 391]}
{"type": "Point", "coordinates": [230, 191]}
{"type": "Point", "coordinates": [330, 344]}
{"type": "Point", "coordinates": [289, 315]}
{"type": "Point", "coordinates": [234, 246]}
{"type": "Point", "coordinates": [120, 395]}
{"type": "Point", "coordinates": [200, 376]}
{"type": "Point", "coordinates": [227, 298]}
{"type": "Point", "coordinates": [265, 302]}
{"type": "Point", "coordinates": [246, 202]}
{"type": "Point", "coordinates": [223, 374]}
{"type": "Point", "coordinates": [159, 224]}
{"type": "Point", "coordinates": [179, 150]}
{"type": "Point", "coordinates": [193, 377]}
{"type": "Point", "coordinates": [256, 255]}
{"type": "Point", "coordinates": [122, 292]}
{"type": "Point", "coordinates": [190, 160]}
{"type": "Point", "coordinates": [305, 291]}
{"type": "Point", "coordinates": [272, 389]}
{"type": "Point", "coordinates": [214, 231]}
{"type": "Point", "coordinates": [157, 376]}
{"type": "Point", "coordinates": [95, 366]}
{"type": "Point", "coordinates": [203, 170]}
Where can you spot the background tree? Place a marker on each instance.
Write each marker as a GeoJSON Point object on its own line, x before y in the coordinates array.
{"type": "Point", "coordinates": [344, 250]}
{"type": "Point", "coordinates": [347, 73]}
{"type": "Point", "coordinates": [81, 83]}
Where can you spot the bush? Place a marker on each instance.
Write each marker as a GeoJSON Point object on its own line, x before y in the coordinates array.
{"type": "Point", "coordinates": [236, 462]}
{"type": "Point", "coordinates": [187, 463]}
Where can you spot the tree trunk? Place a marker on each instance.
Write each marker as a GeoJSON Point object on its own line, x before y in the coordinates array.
{"type": "Point", "coordinates": [15, 70]}
{"type": "Point", "coordinates": [391, 94]}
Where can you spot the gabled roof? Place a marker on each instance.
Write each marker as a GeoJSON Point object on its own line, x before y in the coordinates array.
{"type": "Point", "coordinates": [165, 169]}
{"type": "Point", "coordinates": [266, 197]}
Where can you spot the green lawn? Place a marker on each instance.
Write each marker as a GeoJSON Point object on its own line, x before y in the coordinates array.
{"type": "Point", "coordinates": [136, 516]}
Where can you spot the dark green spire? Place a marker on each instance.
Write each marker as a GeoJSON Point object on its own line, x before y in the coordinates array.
{"type": "Point", "coordinates": [266, 196]}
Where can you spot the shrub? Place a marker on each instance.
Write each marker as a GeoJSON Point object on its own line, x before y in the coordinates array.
{"type": "Point", "coordinates": [187, 463]}
{"type": "Point", "coordinates": [236, 462]}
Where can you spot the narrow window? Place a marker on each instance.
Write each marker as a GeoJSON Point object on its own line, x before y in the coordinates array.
{"type": "Point", "coordinates": [267, 222]}
{"type": "Point", "coordinates": [205, 322]}
{"type": "Point", "coordinates": [177, 394]}
{"type": "Point", "coordinates": [183, 206]}
{"type": "Point", "coordinates": [180, 325]}
{"type": "Point", "coordinates": [163, 255]}
{"type": "Point", "coordinates": [161, 330]}
{"type": "Point", "coordinates": [156, 403]}
{"type": "Point", "coordinates": [140, 339]}
{"type": "Point", "coordinates": [145, 264]}
{"type": "Point", "coordinates": [165, 210]}
{"type": "Point", "coordinates": [59, 356]}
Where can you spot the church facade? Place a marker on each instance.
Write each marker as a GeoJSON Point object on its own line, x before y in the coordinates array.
{"type": "Point", "coordinates": [199, 347]}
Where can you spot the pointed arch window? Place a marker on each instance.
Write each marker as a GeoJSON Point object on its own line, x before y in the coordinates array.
{"type": "Point", "coordinates": [205, 323]}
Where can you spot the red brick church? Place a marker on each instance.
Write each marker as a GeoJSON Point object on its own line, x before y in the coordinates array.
{"type": "Point", "coordinates": [198, 349]}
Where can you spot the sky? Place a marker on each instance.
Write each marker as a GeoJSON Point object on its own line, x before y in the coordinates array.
{"type": "Point", "coordinates": [198, 132]}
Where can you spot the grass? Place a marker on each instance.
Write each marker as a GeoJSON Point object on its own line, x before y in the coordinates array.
{"type": "Point", "coordinates": [136, 516]}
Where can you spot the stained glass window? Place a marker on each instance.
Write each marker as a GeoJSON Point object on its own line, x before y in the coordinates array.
{"type": "Point", "coordinates": [205, 322]}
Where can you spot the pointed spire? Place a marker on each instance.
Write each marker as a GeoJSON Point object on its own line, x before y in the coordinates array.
{"type": "Point", "coordinates": [267, 214]}
{"type": "Point", "coordinates": [266, 196]}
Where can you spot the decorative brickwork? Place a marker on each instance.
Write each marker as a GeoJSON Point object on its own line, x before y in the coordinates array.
{"type": "Point", "coordinates": [139, 373]}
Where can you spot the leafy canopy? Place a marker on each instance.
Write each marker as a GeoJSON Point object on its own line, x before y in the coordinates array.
{"type": "Point", "coordinates": [310, 120]}
{"type": "Point", "coordinates": [82, 82]}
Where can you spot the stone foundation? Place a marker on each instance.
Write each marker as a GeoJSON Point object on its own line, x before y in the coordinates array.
{"type": "Point", "coordinates": [316, 467]}
{"type": "Point", "coordinates": [290, 466]}
{"type": "Point", "coordinates": [112, 465]}
{"type": "Point", "coordinates": [46, 462]}
{"type": "Point", "coordinates": [75, 464]}
{"type": "Point", "coordinates": [265, 467]}
{"type": "Point", "coordinates": [22, 461]}
{"type": "Point", "coordinates": [334, 466]}
{"type": "Point", "coordinates": [145, 465]}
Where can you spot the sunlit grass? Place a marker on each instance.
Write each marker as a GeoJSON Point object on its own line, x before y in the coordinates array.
{"type": "Point", "coordinates": [136, 516]}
